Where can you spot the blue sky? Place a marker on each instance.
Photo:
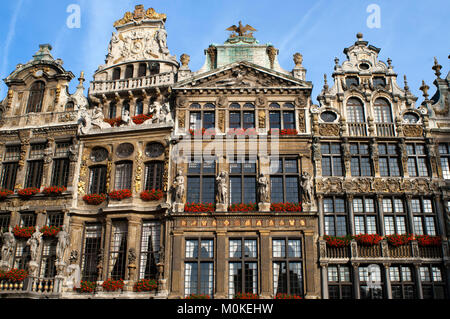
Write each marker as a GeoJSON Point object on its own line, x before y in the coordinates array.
{"type": "Point", "coordinates": [411, 32]}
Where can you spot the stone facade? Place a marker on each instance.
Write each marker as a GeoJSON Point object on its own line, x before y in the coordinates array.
{"type": "Point", "coordinates": [222, 180]}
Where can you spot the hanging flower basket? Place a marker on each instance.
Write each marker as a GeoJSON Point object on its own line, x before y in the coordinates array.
{"type": "Point", "coordinates": [5, 193]}
{"type": "Point", "coordinates": [152, 195]}
{"type": "Point", "coordinates": [198, 296]}
{"type": "Point", "coordinates": [286, 132]}
{"type": "Point", "coordinates": [113, 285]}
{"type": "Point", "coordinates": [145, 285]}
{"type": "Point", "coordinates": [140, 119]}
{"type": "Point", "coordinates": [368, 240]}
{"type": "Point", "coordinates": [338, 242]}
{"type": "Point", "coordinates": [243, 207]}
{"type": "Point", "coordinates": [246, 295]}
{"type": "Point", "coordinates": [286, 296]}
{"type": "Point", "coordinates": [14, 275]}
{"type": "Point", "coordinates": [427, 241]}
{"type": "Point", "coordinates": [120, 194]}
{"type": "Point", "coordinates": [94, 199]}
{"type": "Point", "coordinates": [54, 190]}
{"type": "Point", "coordinates": [399, 240]}
{"type": "Point", "coordinates": [23, 232]}
{"type": "Point", "coordinates": [28, 192]}
{"type": "Point", "coordinates": [86, 287]}
{"type": "Point", "coordinates": [50, 231]}
{"type": "Point", "coordinates": [286, 207]}
{"type": "Point", "coordinates": [199, 208]}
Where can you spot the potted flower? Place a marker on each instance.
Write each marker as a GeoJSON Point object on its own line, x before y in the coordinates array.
{"type": "Point", "coordinates": [368, 239]}
{"type": "Point", "coordinates": [5, 193]}
{"type": "Point", "coordinates": [23, 232]}
{"type": "Point", "coordinates": [145, 285]}
{"type": "Point", "coordinates": [50, 231]}
{"type": "Point", "coordinates": [28, 192]}
{"type": "Point", "coordinates": [338, 242]}
{"type": "Point", "coordinates": [246, 295]}
{"type": "Point", "coordinates": [16, 275]}
{"type": "Point", "coordinates": [120, 194]}
{"type": "Point", "coordinates": [198, 296]}
{"type": "Point", "coordinates": [54, 190]}
{"type": "Point", "coordinates": [114, 122]}
{"type": "Point", "coordinates": [113, 285]}
{"type": "Point", "coordinates": [152, 195]}
{"type": "Point", "coordinates": [427, 241]}
{"type": "Point", "coordinates": [140, 119]}
{"type": "Point", "coordinates": [86, 287]}
{"type": "Point", "coordinates": [399, 240]}
{"type": "Point", "coordinates": [251, 207]}
{"type": "Point", "coordinates": [286, 207]}
{"type": "Point", "coordinates": [199, 208]}
{"type": "Point", "coordinates": [286, 296]}
{"type": "Point", "coordinates": [94, 199]}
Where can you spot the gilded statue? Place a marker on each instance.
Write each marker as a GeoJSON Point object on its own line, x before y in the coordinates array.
{"type": "Point", "coordinates": [241, 30]}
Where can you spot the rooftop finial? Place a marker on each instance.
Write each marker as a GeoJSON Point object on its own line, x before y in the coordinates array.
{"type": "Point", "coordinates": [389, 61]}
{"type": "Point", "coordinates": [359, 35]}
{"type": "Point", "coordinates": [242, 31]}
{"type": "Point", "coordinates": [406, 83]}
{"type": "Point", "coordinates": [424, 88]}
{"type": "Point", "coordinates": [81, 79]}
{"type": "Point", "coordinates": [325, 84]}
{"type": "Point", "coordinates": [437, 68]}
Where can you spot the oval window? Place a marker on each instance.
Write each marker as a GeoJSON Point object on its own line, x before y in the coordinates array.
{"type": "Point", "coordinates": [99, 154]}
{"type": "Point", "coordinates": [154, 150]}
{"type": "Point", "coordinates": [364, 66]}
{"type": "Point", "coordinates": [411, 117]}
{"type": "Point", "coordinates": [328, 116]}
{"type": "Point", "coordinates": [125, 150]}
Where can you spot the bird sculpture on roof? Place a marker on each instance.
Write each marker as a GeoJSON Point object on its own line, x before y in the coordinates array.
{"type": "Point", "coordinates": [241, 30]}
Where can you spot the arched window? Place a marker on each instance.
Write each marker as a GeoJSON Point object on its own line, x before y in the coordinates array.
{"type": "Point", "coordinates": [36, 97]}
{"type": "Point", "coordinates": [124, 174]}
{"type": "Point", "coordinates": [355, 111]}
{"type": "Point", "coordinates": [116, 74]}
{"type": "Point", "coordinates": [154, 175]}
{"type": "Point", "coordinates": [382, 111]}
{"type": "Point", "coordinates": [139, 107]}
{"type": "Point", "coordinates": [70, 106]}
{"type": "Point", "coordinates": [129, 71]}
{"type": "Point", "coordinates": [142, 70]}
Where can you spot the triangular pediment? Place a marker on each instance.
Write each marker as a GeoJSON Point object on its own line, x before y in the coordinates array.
{"type": "Point", "coordinates": [242, 75]}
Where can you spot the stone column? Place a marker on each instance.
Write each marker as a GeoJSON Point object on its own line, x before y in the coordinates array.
{"type": "Point", "coordinates": [351, 219]}
{"type": "Point", "coordinates": [177, 280]}
{"type": "Point", "coordinates": [381, 213]}
{"type": "Point", "coordinates": [310, 265]}
{"type": "Point", "coordinates": [76, 235]}
{"type": "Point", "coordinates": [324, 273]}
{"type": "Point", "coordinates": [356, 280]}
{"type": "Point", "coordinates": [321, 215]}
{"type": "Point", "coordinates": [107, 244]}
{"type": "Point", "coordinates": [440, 214]}
{"type": "Point", "coordinates": [41, 218]}
{"type": "Point", "coordinates": [21, 172]}
{"type": "Point", "coordinates": [410, 214]}
{"type": "Point", "coordinates": [266, 262]}
{"type": "Point", "coordinates": [134, 224]}
{"type": "Point", "coordinates": [418, 282]}
{"type": "Point", "coordinates": [221, 265]}
{"type": "Point", "coordinates": [388, 281]}
{"type": "Point", "coordinates": [48, 160]}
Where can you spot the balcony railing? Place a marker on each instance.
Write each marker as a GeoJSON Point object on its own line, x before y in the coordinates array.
{"type": "Point", "coordinates": [357, 129]}
{"type": "Point", "coordinates": [99, 87]}
{"type": "Point", "coordinates": [32, 285]}
{"type": "Point", "coordinates": [385, 129]}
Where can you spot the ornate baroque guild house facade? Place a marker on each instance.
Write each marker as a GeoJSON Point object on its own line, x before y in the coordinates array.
{"type": "Point", "coordinates": [168, 183]}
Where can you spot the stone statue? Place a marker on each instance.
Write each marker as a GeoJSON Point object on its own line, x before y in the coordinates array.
{"type": "Point", "coordinates": [126, 119]}
{"type": "Point", "coordinates": [222, 188]}
{"type": "Point", "coordinates": [85, 121]}
{"type": "Point", "coordinates": [298, 60]}
{"type": "Point", "coordinates": [63, 242]}
{"type": "Point", "coordinates": [155, 110]}
{"type": "Point", "coordinates": [9, 243]}
{"type": "Point", "coordinates": [132, 256]}
{"type": "Point", "coordinates": [98, 118]}
{"type": "Point", "coordinates": [178, 186]}
{"type": "Point", "coordinates": [35, 242]}
{"type": "Point", "coordinates": [73, 276]}
{"type": "Point", "coordinates": [306, 183]}
{"type": "Point", "coordinates": [263, 185]}
{"type": "Point", "coordinates": [161, 39]}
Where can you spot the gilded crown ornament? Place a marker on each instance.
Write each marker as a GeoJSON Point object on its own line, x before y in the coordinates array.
{"type": "Point", "coordinates": [140, 14]}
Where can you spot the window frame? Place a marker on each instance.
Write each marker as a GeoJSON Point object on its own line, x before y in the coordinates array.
{"type": "Point", "coordinates": [198, 261]}
{"type": "Point", "coordinates": [284, 176]}
{"type": "Point", "coordinates": [365, 214]}
{"type": "Point", "coordinates": [333, 158]}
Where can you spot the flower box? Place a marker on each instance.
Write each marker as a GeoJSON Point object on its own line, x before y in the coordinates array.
{"type": "Point", "coordinates": [399, 240]}
{"type": "Point", "coordinates": [94, 199]}
{"type": "Point", "coordinates": [14, 275]}
{"type": "Point", "coordinates": [28, 192]}
{"type": "Point", "coordinates": [426, 240]}
{"type": "Point", "coordinates": [86, 287]}
{"type": "Point", "coordinates": [145, 285]}
{"type": "Point", "coordinates": [152, 195]}
{"type": "Point", "coordinates": [23, 232]}
{"type": "Point", "coordinates": [120, 194]}
{"type": "Point", "coordinates": [246, 295]}
{"type": "Point", "coordinates": [114, 122]}
{"type": "Point", "coordinates": [368, 240]}
{"type": "Point", "coordinates": [243, 207]}
{"type": "Point", "coordinates": [140, 119]}
{"type": "Point", "coordinates": [54, 190]}
{"type": "Point", "coordinates": [286, 296]}
{"type": "Point", "coordinates": [286, 132]}
{"type": "Point", "coordinates": [198, 296]}
{"type": "Point", "coordinates": [113, 285]}
{"type": "Point", "coordinates": [50, 231]}
{"type": "Point", "coordinates": [199, 208]}
{"type": "Point", "coordinates": [338, 242]}
{"type": "Point", "coordinates": [203, 131]}
{"type": "Point", "coordinates": [242, 132]}
{"type": "Point", "coordinates": [5, 193]}
{"type": "Point", "coordinates": [286, 207]}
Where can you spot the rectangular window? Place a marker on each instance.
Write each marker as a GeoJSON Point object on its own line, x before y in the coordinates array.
{"type": "Point", "coordinates": [444, 154]}
{"type": "Point", "coordinates": [10, 167]}
{"type": "Point", "coordinates": [243, 266]}
{"type": "Point", "coordinates": [4, 222]}
{"type": "Point", "coordinates": [370, 275]}
{"type": "Point", "coordinates": [339, 282]}
{"type": "Point", "coordinates": [150, 249]}
{"type": "Point", "coordinates": [199, 267]}
{"type": "Point", "coordinates": [365, 216]}
{"type": "Point", "coordinates": [201, 186]}
{"type": "Point", "coordinates": [27, 220]}
{"type": "Point", "coordinates": [394, 216]}
{"type": "Point", "coordinates": [118, 250]}
{"type": "Point", "coordinates": [34, 174]}
{"type": "Point", "coordinates": [360, 161]}
{"type": "Point", "coordinates": [97, 180]}
{"type": "Point", "coordinates": [402, 282]}
{"type": "Point", "coordinates": [242, 182]}
{"type": "Point", "coordinates": [417, 160]}
{"type": "Point", "coordinates": [284, 180]}
{"type": "Point", "coordinates": [154, 175]}
{"type": "Point", "coordinates": [91, 250]}
{"type": "Point", "coordinates": [331, 159]}
{"type": "Point", "coordinates": [388, 160]}
{"type": "Point", "coordinates": [61, 165]}
{"type": "Point", "coordinates": [124, 174]}
{"type": "Point", "coordinates": [423, 217]}
{"type": "Point", "coordinates": [335, 216]}
{"type": "Point", "coordinates": [287, 266]}
{"type": "Point", "coordinates": [433, 286]}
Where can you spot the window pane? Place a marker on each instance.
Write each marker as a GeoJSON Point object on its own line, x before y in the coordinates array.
{"type": "Point", "coordinates": [294, 248]}
{"type": "Point", "coordinates": [279, 248]}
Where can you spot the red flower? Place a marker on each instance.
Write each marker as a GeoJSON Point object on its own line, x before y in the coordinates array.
{"type": "Point", "coordinates": [28, 192]}
{"type": "Point", "coordinates": [246, 295]}
{"type": "Point", "coordinates": [426, 240]}
{"type": "Point", "coordinates": [152, 195]}
{"type": "Point", "coordinates": [5, 193]}
{"type": "Point", "coordinates": [286, 296]}
{"type": "Point", "coordinates": [120, 194]}
{"type": "Point", "coordinates": [114, 122]}
{"type": "Point", "coordinates": [50, 231]}
{"type": "Point", "coordinates": [399, 240]}
{"type": "Point", "coordinates": [251, 207]}
{"type": "Point", "coordinates": [368, 240]}
{"type": "Point", "coordinates": [54, 190]}
{"type": "Point", "coordinates": [86, 286]}
{"type": "Point", "coordinates": [113, 285]}
{"type": "Point", "coordinates": [145, 285]}
{"type": "Point", "coordinates": [285, 132]}
{"type": "Point", "coordinates": [199, 208]}
{"type": "Point", "coordinates": [333, 241]}
{"type": "Point", "coordinates": [139, 119]}
{"type": "Point", "coordinates": [94, 199]}
{"type": "Point", "coordinates": [197, 296]}
{"type": "Point", "coordinates": [23, 232]}
{"type": "Point", "coordinates": [15, 275]}
{"type": "Point", "coordinates": [286, 207]}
